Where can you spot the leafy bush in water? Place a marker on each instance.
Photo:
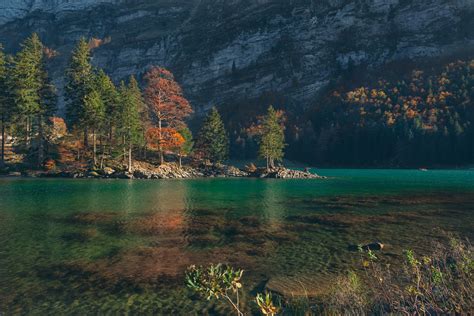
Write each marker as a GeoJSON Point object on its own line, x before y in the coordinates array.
{"type": "Point", "coordinates": [219, 281]}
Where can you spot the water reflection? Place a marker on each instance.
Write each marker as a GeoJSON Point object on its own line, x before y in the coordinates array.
{"type": "Point", "coordinates": [273, 207]}
{"type": "Point", "coordinates": [102, 242]}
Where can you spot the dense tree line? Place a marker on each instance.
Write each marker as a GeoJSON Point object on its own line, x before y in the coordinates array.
{"type": "Point", "coordinates": [419, 120]}
{"type": "Point", "coordinates": [107, 122]}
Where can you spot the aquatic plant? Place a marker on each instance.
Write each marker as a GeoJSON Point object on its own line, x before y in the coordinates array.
{"type": "Point", "coordinates": [222, 281]}
{"type": "Point", "coordinates": [439, 283]}
{"type": "Point", "coordinates": [266, 305]}
{"type": "Point", "coordinates": [216, 281]}
{"type": "Point", "coordinates": [348, 296]}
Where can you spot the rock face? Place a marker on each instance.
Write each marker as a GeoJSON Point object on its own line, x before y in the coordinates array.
{"type": "Point", "coordinates": [221, 50]}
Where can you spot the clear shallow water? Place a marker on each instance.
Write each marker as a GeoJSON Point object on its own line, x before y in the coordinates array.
{"type": "Point", "coordinates": [98, 246]}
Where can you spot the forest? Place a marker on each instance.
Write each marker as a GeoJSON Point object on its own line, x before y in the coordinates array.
{"type": "Point", "coordinates": [424, 118]}
{"type": "Point", "coordinates": [105, 123]}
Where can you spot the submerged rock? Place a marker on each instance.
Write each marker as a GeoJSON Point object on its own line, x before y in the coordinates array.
{"type": "Point", "coordinates": [370, 246]}
{"type": "Point", "coordinates": [299, 287]}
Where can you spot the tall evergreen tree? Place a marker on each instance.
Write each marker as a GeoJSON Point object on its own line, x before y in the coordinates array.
{"type": "Point", "coordinates": [94, 117]}
{"type": "Point", "coordinates": [110, 97]}
{"type": "Point", "coordinates": [6, 107]}
{"type": "Point", "coordinates": [27, 74]}
{"type": "Point", "coordinates": [129, 125]}
{"type": "Point", "coordinates": [213, 142]}
{"type": "Point", "coordinates": [272, 141]}
{"type": "Point", "coordinates": [79, 84]}
{"type": "Point", "coordinates": [33, 92]}
{"type": "Point", "coordinates": [188, 144]}
{"type": "Point", "coordinates": [145, 122]}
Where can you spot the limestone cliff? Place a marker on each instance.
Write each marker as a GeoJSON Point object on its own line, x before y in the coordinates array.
{"type": "Point", "coordinates": [222, 50]}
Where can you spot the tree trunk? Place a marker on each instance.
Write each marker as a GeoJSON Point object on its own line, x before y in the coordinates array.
{"type": "Point", "coordinates": [268, 164]}
{"type": "Point", "coordinates": [111, 133]}
{"type": "Point", "coordinates": [40, 141]}
{"type": "Point", "coordinates": [102, 157]}
{"type": "Point", "coordinates": [272, 163]}
{"type": "Point", "coordinates": [130, 157]}
{"type": "Point", "coordinates": [180, 161]}
{"type": "Point", "coordinates": [160, 140]}
{"type": "Point", "coordinates": [124, 157]}
{"type": "Point", "coordinates": [94, 144]}
{"type": "Point", "coordinates": [27, 136]}
{"type": "Point", "coordinates": [2, 159]}
{"type": "Point", "coordinates": [86, 138]}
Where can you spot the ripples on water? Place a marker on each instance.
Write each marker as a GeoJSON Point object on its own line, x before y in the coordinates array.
{"type": "Point", "coordinates": [86, 246]}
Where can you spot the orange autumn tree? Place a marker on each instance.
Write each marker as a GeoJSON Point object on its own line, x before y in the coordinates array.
{"type": "Point", "coordinates": [166, 139]}
{"type": "Point", "coordinates": [165, 98]}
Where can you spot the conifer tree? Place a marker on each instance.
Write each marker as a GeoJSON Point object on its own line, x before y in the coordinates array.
{"type": "Point", "coordinates": [129, 125]}
{"type": "Point", "coordinates": [272, 142]}
{"type": "Point", "coordinates": [187, 146]}
{"type": "Point", "coordinates": [79, 83]}
{"type": "Point", "coordinates": [94, 117]}
{"type": "Point", "coordinates": [110, 97]}
{"type": "Point", "coordinates": [34, 94]}
{"type": "Point", "coordinates": [6, 108]}
{"type": "Point", "coordinates": [213, 142]}
{"type": "Point", "coordinates": [27, 81]}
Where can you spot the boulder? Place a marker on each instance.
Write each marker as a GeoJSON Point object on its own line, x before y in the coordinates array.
{"type": "Point", "coordinates": [123, 175]}
{"type": "Point", "coordinates": [370, 246]}
{"type": "Point", "coordinates": [93, 174]}
{"type": "Point", "coordinates": [108, 171]}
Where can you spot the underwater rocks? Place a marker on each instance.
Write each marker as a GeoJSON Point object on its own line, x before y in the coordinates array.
{"type": "Point", "coordinates": [371, 246]}
{"type": "Point", "coordinates": [303, 286]}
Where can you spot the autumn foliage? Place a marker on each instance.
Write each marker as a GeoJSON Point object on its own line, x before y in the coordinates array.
{"type": "Point", "coordinates": [165, 97]}
{"type": "Point", "coordinates": [166, 101]}
{"type": "Point", "coordinates": [170, 139]}
{"type": "Point", "coordinates": [425, 117]}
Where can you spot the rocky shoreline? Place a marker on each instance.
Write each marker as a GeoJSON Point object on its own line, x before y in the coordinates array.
{"type": "Point", "coordinates": [144, 170]}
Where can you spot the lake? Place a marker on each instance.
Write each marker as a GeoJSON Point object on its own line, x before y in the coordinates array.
{"type": "Point", "coordinates": [117, 246]}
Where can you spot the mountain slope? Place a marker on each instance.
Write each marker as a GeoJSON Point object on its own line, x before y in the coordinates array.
{"type": "Point", "coordinates": [223, 51]}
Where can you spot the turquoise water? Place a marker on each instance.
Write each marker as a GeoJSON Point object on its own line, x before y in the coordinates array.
{"type": "Point", "coordinates": [117, 246]}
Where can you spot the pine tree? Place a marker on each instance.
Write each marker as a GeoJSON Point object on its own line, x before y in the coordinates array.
{"type": "Point", "coordinates": [94, 117]}
{"type": "Point", "coordinates": [79, 83]}
{"type": "Point", "coordinates": [188, 144]}
{"type": "Point", "coordinates": [129, 125]}
{"type": "Point", "coordinates": [110, 97]}
{"type": "Point", "coordinates": [33, 92]}
{"type": "Point", "coordinates": [137, 97]}
{"type": "Point", "coordinates": [213, 142]}
{"type": "Point", "coordinates": [27, 81]}
{"type": "Point", "coordinates": [272, 142]}
{"type": "Point", "coordinates": [6, 108]}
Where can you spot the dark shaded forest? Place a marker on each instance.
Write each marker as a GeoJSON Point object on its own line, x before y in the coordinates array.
{"type": "Point", "coordinates": [424, 118]}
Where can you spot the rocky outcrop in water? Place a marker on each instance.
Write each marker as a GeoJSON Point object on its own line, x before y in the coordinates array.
{"type": "Point", "coordinates": [283, 173]}
{"type": "Point", "coordinates": [144, 170]}
{"type": "Point", "coordinates": [223, 51]}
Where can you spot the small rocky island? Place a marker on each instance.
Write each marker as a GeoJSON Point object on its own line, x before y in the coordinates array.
{"type": "Point", "coordinates": [146, 170]}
